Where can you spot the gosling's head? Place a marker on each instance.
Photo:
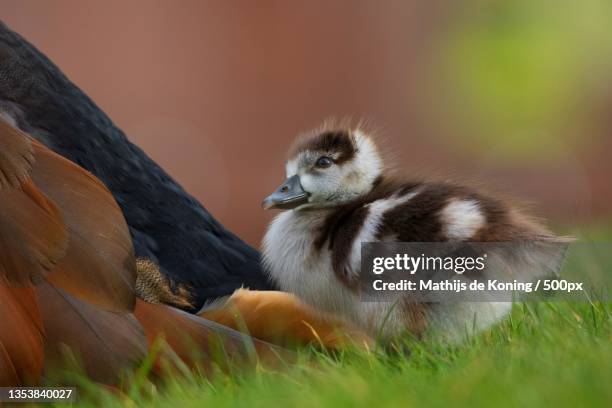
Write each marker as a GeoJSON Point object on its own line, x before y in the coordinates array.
{"type": "Point", "coordinates": [327, 168]}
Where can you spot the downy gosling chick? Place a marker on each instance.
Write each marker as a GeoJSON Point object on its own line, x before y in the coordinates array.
{"type": "Point", "coordinates": [338, 195]}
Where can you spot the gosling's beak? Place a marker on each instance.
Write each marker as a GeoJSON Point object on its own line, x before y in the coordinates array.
{"type": "Point", "coordinates": [289, 195]}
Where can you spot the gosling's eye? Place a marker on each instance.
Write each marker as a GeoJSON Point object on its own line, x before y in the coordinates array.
{"type": "Point", "coordinates": [324, 162]}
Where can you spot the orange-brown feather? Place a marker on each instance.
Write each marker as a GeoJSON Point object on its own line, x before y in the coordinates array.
{"type": "Point", "coordinates": [21, 337]}
{"type": "Point", "coordinates": [32, 235]}
{"type": "Point", "coordinates": [99, 266]}
{"type": "Point", "coordinates": [16, 156]}
{"type": "Point", "coordinates": [105, 342]}
{"type": "Point", "coordinates": [282, 318]}
{"type": "Point", "coordinates": [196, 340]}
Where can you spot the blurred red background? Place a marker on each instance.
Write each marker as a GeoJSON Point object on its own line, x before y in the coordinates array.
{"type": "Point", "coordinates": [215, 91]}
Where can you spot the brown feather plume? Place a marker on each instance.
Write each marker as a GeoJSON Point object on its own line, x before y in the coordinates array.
{"type": "Point", "coordinates": [105, 342]}
{"type": "Point", "coordinates": [16, 156]}
{"type": "Point", "coordinates": [99, 266]}
{"type": "Point", "coordinates": [32, 235]}
{"type": "Point", "coordinates": [61, 230]}
{"type": "Point", "coordinates": [21, 337]}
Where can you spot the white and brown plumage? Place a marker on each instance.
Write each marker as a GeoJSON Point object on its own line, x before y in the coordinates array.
{"type": "Point", "coordinates": [338, 195]}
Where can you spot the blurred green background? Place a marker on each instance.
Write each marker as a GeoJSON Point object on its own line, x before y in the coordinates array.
{"type": "Point", "coordinates": [513, 95]}
{"type": "Point", "coordinates": [529, 73]}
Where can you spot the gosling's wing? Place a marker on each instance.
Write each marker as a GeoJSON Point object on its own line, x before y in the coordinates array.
{"type": "Point", "coordinates": [440, 212]}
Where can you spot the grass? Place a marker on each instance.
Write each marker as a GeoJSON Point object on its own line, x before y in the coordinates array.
{"type": "Point", "coordinates": [545, 354]}
{"type": "Point", "coordinates": [553, 354]}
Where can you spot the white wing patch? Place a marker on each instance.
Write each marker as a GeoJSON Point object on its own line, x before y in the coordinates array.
{"type": "Point", "coordinates": [462, 218]}
{"type": "Point", "coordinates": [369, 229]}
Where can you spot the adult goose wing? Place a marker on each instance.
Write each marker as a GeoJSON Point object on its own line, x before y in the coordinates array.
{"type": "Point", "coordinates": [67, 277]}
{"type": "Point", "coordinates": [167, 225]}
{"type": "Point", "coordinates": [67, 268]}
